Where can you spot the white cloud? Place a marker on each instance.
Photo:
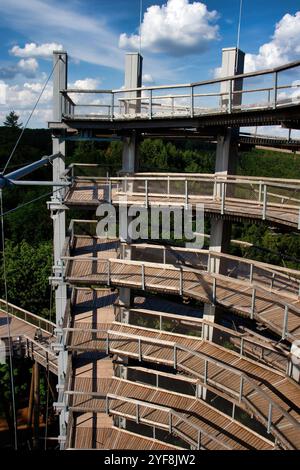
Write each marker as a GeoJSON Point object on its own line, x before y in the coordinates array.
{"type": "Point", "coordinates": [28, 66]}
{"type": "Point", "coordinates": [34, 50]}
{"type": "Point", "coordinates": [176, 28]}
{"type": "Point", "coordinates": [86, 84]}
{"type": "Point", "coordinates": [148, 79]}
{"type": "Point", "coordinates": [85, 37]}
{"type": "Point", "coordinates": [283, 47]}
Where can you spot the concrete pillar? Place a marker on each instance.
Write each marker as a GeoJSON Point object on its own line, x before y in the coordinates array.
{"type": "Point", "coordinates": [133, 79]}
{"type": "Point", "coordinates": [226, 161]}
{"type": "Point", "coordinates": [60, 80]}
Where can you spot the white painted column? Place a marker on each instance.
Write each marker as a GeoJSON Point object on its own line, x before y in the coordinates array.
{"type": "Point", "coordinates": [226, 161]}
{"type": "Point", "coordinates": [133, 79]}
{"type": "Point", "coordinates": [60, 60]}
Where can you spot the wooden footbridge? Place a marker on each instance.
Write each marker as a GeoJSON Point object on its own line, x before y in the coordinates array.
{"type": "Point", "coordinates": [143, 354]}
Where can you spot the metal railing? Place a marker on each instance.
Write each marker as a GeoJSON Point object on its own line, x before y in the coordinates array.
{"type": "Point", "coordinates": [176, 280]}
{"type": "Point", "coordinates": [263, 350]}
{"type": "Point", "coordinates": [241, 388]}
{"type": "Point", "coordinates": [187, 100]}
{"type": "Point", "coordinates": [228, 194]}
{"type": "Point", "coordinates": [28, 317]}
{"type": "Point", "coordinates": [173, 418]}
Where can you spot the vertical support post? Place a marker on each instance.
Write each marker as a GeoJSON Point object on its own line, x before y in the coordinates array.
{"type": "Point", "coordinates": [253, 298]}
{"type": "Point", "coordinates": [36, 405]}
{"type": "Point", "coordinates": [112, 106]}
{"type": "Point", "coordinates": [60, 81]}
{"type": "Point", "coordinates": [150, 104]}
{"type": "Point", "coordinates": [186, 193]}
{"type": "Point", "coordinates": [269, 418]}
{"type": "Point", "coordinates": [146, 194]}
{"type": "Point", "coordinates": [264, 209]}
{"type": "Point", "coordinates": [192, 102]}
{"type": "Point", "coordinates": [226, 160]}
{"type": "Point", "coordinates": [275, 89]}
{"type": "Point", "coordinates": [285, 321]}
{"type": "Point", "coordinates": [143, 276]}
{"type": "Point", "coordinates": [180, 281]}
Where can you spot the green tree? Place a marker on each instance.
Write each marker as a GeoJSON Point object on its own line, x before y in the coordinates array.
{"type": "Point", "coordinates": [12, 120]}
{"type": "Point", "coordinates": [28, 268]}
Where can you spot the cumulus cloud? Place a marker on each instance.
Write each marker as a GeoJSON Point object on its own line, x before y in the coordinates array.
{"type": "Point", "coordinates": [176, 28]}
{"type": "Point", "coordinates": [36, 50]}
{"type": "Point", "coordinates": [26, 67]}
{"type": "Point", "coordinates": [283, 47]}
{"type": "Point", "coordinates": [148, 79]}
{"type": "Point", "coordinates": [86, 84]}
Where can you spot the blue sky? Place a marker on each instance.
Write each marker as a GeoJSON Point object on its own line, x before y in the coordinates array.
{"type": "Point", "coordinates": [181, 41]}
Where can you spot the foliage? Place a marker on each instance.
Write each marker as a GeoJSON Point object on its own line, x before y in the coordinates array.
{"type": "Point", "coordinates": [28, 268]}
{"type": "Point", "coordinates": [12, 120]}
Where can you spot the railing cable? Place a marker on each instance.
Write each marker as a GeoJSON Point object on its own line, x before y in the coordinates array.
{"type": "Point", "coordinates": [30, 116]}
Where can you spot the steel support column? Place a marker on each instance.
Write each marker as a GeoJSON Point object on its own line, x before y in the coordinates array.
{"type": "Point", "coordinates": [60, 61]}
{"type": "Point", "coordinates": [226, 160]}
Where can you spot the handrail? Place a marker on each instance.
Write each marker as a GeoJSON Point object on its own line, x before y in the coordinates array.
{"type": "Point", "coordinates": [26, 316]}
{"type": "Point", "coordinates": [238, 396]}
{"type": "Point", "coordinates": [280, 68]}
{"type": "Point", "coordinates": [106, 264]}
{"type": "Point", "coordinates": [170, 411]}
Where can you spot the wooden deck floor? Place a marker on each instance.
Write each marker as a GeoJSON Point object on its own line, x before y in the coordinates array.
{"type": "Point", "coordinates": [230, 293]}
{"type": "Point", "coordinates": [223, 427]}
{"type": "Point", "coordinates": [86, 194]}
{"type": "Point", "coordinates": [25, 334]}
{"type": "Point", "coordinates": [90, 433]}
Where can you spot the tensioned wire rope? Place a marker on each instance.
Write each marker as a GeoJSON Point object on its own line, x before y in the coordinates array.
{"type": "Point", "coordinates": [10, 344]}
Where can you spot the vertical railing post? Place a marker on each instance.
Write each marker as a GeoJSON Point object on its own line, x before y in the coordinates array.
{"type": "Point", "coordinates": [137, 412]}
{"type": "Point", "coordinates": [222, 198]}
{"type": "Point", "coordinates": [241, 388]}
{"type": "Point", "coordinates": [109, 191]}
{"type": "Point", "coordinates": [168, 186]}
{"type": "Point", "coordinates": [108, 272]}
{"type": "Point", "coordinates": [199, 440]}
{"type": "Point", "coordinates": [143, 276]}
{"type": "Point", "coordinates": [170, 422]}
{"type": "Point", "coordinates": [165, 257]}
{"type": "Point", "coordinates": [146, 194]}
{"type": "Point", "coordinates": [205, 371]}
{"type": "Point", "coordinates": [192, 102]}
{"type": "Point", "coordinates": [175, 357]}
{"type": "Point", "coordinates": [269, 418]}
{"type": "Point", "coordinates": [180, 281]}
{"type": "Point", "coordinates": [107, 343]}
{"type": "Point", "coordinates": [150, 104]}
{"type": "Point", "coordinates": [140, 349]}
{"type": "Point", "coordinates": [186, 194]}
{"type": "Point", "coordinates": [259, 192]}
{"type": "Point", "coordinates": [112, 106]}
{"type": "Point", "coordinates": [285, 321]}
{"type": "Point", "coordinates": [160, 322]}
{"type": "Point", "coordinates": [264, 210]}
{"type": "Point", "coordinates": [275, 89]}
{"type": "Point", "coordinates": [251, 273]}
{"type": "Point", "coordinates": [253, 298]}
{"type": "Point", "coordinates": [242, 347]}
{"type": "Point", "coordinates": [299, 220]}
{"type": "Point", "coordinates": [214, 294]}
{"type": "Point", "coordinates": [230, 97]}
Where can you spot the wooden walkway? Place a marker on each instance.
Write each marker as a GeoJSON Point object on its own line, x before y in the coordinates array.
{"type": "Point", "coordinates": [276, 313]}
{"type": "Point", "coordinates": [280, 211]}
{"type": "Point", "coordinates": [155, 407]}
{"type": "Point", "coordinates": [28, 335]}
{"type": "Point", "coordinates": [90, 433]}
